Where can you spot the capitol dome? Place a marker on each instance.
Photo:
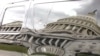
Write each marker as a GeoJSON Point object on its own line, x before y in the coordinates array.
{"type": "Point", "coordinates": [82, 24]}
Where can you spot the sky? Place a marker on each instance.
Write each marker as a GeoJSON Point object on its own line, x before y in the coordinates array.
{"type": "Point", "coordinates": [80, 7]}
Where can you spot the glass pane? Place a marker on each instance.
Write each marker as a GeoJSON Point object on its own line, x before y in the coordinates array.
{"type": "Point", "coordinates": [51, 12]}
{"type": "Point", "coordinates": [14, 14]}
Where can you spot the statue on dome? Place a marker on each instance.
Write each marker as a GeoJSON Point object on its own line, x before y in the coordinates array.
{"type": "Point", "coordinates": [92, 13]}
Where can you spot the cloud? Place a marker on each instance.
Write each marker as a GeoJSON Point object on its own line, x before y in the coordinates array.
{"type": "Point", "coordinates": [85, 4]}
{"type": "Point", "coordinates": [89, 7]}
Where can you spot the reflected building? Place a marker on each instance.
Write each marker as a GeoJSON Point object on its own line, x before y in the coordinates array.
{"type": "Point", "coordinates": [12, 27]}
{"type": "Point", "coordinates": [81, 25]}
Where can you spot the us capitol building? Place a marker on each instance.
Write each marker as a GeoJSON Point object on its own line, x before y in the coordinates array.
{"type": "Point", "coordinates": [79, 34]}
{"type": "Point", "coordinates": [71, 36]}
